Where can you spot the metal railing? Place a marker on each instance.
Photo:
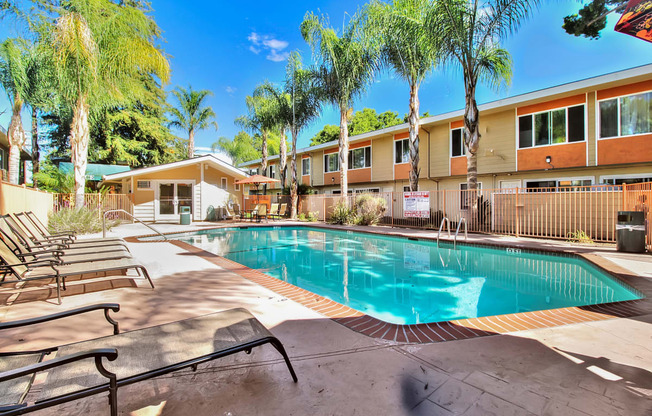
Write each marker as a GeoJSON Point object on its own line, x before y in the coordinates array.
{"type": "Point", "coordinates": [457, 231]}
{"type": "Point", "coordinates": [132, 217]}
{"type": "Point", "coordinates": [447, 221]}
{"type": "Point", "coordinates": [554, 213]}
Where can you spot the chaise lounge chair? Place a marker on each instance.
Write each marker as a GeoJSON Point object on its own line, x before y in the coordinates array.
{"type": "Point", "coordinates": [37, 234]}
{"type": "Point", "coordinates": [10, 264]}
{"type": "Point", "coordinates": [105, 364]}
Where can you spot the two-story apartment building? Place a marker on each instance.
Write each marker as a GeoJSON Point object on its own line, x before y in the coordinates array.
{"type": "Point", "coordinates": [593, 131]}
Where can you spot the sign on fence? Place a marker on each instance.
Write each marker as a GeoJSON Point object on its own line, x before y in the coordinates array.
{"type": "Point", "coordinates": [416, 204]}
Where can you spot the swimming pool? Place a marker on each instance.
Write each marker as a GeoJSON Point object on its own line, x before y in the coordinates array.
{"type": "Point", "coordinates": [407, 282]}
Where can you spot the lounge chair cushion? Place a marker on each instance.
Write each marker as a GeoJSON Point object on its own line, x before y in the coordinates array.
{"type": "Point", "coordinates": [13, 392]}
{"type": "Point", "coordinates": [149, 349]}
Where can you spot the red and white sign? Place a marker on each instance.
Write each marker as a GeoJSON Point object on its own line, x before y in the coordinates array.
{"type": "Point", "coordinates": [416, 204]}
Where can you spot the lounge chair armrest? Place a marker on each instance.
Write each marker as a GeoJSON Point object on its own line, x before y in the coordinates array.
{"type": "Point", "coordinates": [58, 252]}
{"type": "Point", "coordinates": [115, 307]}
{"type": "Point", "coordinates": [36, 263]}
{"type": "Point", "coordinates": [54, 243]}
{"type": "Point", "coordinates": [109, 353]}
{"type": "Point", "coordinates": [64, 234]}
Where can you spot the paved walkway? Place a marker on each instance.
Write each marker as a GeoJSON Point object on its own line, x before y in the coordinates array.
{"type": "Point", "coordinates": [596, 368]}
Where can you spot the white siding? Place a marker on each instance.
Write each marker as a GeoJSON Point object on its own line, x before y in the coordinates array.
{"type": "Point", "coordinates": [199, 213]}
{"type": "Point", "coordinates": [144, 212]}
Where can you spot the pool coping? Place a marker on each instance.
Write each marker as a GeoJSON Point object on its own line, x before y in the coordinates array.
{"type": "Point", "coordinates": [440, 331]}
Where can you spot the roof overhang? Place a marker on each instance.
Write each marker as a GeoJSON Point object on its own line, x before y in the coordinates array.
{"type": "Point", "coordinates": [208, 159]}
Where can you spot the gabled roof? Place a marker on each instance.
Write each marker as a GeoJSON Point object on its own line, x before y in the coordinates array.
{"type": "Point", "coordinates": [210, 159]}
{"type": "Point", "coordinates": [504, 102]}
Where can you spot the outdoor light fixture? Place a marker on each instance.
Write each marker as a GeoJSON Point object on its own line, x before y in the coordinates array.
{"type": "Point", "coordinates": [333, 180]}
{"type": "Point", "coordinates": [549, 160]}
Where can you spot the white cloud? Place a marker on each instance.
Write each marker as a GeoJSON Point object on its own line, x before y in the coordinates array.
{"type": "Point", "coordinates": [230, 90]}
{"type": "Point", "coordinates": [274, 47]}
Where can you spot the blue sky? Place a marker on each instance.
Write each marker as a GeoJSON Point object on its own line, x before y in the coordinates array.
{"type": "Point", "coordinates": [230, 47]}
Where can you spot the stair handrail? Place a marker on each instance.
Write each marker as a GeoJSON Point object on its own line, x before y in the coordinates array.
{"type": "Point", "coordinates": [445, 219]}
{"type": "Point", "coordinates": [132, 217]}
{"type": "Point", "coordinates": [466, 233]}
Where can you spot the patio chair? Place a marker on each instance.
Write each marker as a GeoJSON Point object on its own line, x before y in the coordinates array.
{"type": "Point", "coordinates": [253, 214]}
{"type": "Point", "coordinates": [60, 254]}
{"type": "Point", "coordinates": [105, 364]}
{"type": "Point", "coordinates": [283, 212]}
{"type": "Point", "coordinates": [236, 211]}
{"type": "Point", "coordinates": [10, 225]}
{"type": "Point", "coordinates": [229, 214]}
{"type": "Point", "coordinates": [52, 269]}
{"type": "Point", "coordinates": [261, 213]}
{"type": "Point", "coordinates": [273, 212]}
{"type": "Point", "coordinates": [39, 235]}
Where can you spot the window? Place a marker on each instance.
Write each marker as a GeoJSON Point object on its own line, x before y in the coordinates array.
{"type": "Point", "coordinates": [465, 196]}
{"type": "Point", "coordinates": [626, 179]}
{"type": "Point", "coordinates": [3, 159]}
{"type": "Point", "coordinates": [554, 185]}
{"type": "Point", "coordinates": [272, 171]}
{"type": "Point", "coordinates": [360, 158]}
{"type": "Point", "coordinates": [457, 143]}
{"type": "Point", "coordinates": [406, 188]}
{"type": "Point", "coordinates": [143, 185]}
{"type": "Point", "coordinates": [402, 151]}
{"type": "Point", "coordinates": [331, 162]}
{"type": "Point", "coordinates": [367, 190]}
{"type": "Point", "coordinates": [626, 116]}
{"type": "Point", "coordinates": [564, 125]}
{"type": "Point", "coordinates": [236, 186]}
{"type": "Point", "coordinates": [223, 183]}
{"type": "Point", "coordinates": [253, 171]}
{"type": "Point", "coordinates": [305, 166]}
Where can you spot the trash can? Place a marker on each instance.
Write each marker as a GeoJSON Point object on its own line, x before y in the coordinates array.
{"type": "Point", "coordinates": [184, 213]}
{"type": "Point", "coordinates": [630, 231]}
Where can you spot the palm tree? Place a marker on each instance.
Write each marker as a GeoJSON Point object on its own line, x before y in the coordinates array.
{"type": "Point", "coordinates": [100, 49]}
{"type": "Point", "coordinates": [305, 107]}
{"type": "Point", "coordinates": [411, 51]}
{"type": "Point", "coordinates": [192, 114]}
{"type": "Point", "coordinates": [14, 79]}
{"type": "Point", "coordinates": [261, 119]}
{"type": "Point", "coordinates": [346, 64]}
{"type": "Point", "coordinates": [279, 112]}
{"type": "Point", "coordinates": [472, 31]}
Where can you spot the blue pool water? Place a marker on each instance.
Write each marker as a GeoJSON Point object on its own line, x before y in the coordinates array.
{"type": "Point", "coordinates": [405, 282]}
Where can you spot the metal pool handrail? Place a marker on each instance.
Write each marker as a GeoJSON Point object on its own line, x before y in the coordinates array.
{"type": "Point", "coordinates": [132, 217]}
{"type": "Point", "coordinates": [442, 226]}
{"type": "Point", "coordinates": [466, 234]}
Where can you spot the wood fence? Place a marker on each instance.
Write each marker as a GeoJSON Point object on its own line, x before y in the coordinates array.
{"type": "Point", "coordinates": [101, 202]}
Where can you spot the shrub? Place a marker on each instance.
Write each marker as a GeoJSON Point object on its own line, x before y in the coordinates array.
{"type": "Point", "coordinates": [80, 220]}
{"type": "Point", "coordinates": [313, 216]}
{"type": "Point", "coordinates": [369, 209]}
{"type": "Point", "coordinates": [579, 236]}
{"type": "Point", "coordinates": [342, 214]}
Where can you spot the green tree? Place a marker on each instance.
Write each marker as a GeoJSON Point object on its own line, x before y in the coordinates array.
{"type": "Point", "coordinates": [388, 119]}
{"type": "Point", "coordinates": [241, 149]}
{"type": "Point", "coordinates": [363, 121]}
{"type": "Point", "coordinates": [136, 134]}
{"type": "Point", "coordinates": [192, 114]}
{"type": "Point", "coordinates": [329, 133]}
{"type": "Point", "coordinates": [14, 61]}
{"type": "Point", "coordinates": [592, 18]}
{"type": "Point", "coordinates": [261, 119]}
{"type": "Point", "coordinates": [346, 64]}
{"type": "Point", "coordinates": [411, 51]}
{"type": "Point", "coordinates": [472, 31]}
{"type": "Point", "coordinates": [100, 50]}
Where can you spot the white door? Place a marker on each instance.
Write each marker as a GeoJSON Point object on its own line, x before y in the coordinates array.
{"type": "Point", "coordinates": [510, 184]}
{"type": "Point", "coordinates": [171, 196]}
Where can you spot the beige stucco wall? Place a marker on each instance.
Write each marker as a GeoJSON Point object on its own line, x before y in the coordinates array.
{"type": "Point", "coordinates": [14, 198]}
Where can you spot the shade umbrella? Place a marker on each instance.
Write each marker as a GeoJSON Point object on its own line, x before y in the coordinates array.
{"type": "Point", "coordinates": [637, 20]}
{"type": "Point", "coordinates": [256, 180]}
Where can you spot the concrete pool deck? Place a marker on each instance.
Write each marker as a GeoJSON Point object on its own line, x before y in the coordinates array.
{"type": "Point", "coordinates": [594, 368]}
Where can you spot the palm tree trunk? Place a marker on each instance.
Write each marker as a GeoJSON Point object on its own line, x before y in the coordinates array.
{"type": "Point", "coordinates": [472, 142]}
{"type": "Point", "coordinates": [413, 119]}
{"type": "Point", "coordinates": [79, 138]}
{"type": "Point", "coordinates": [294, 186]}
{"type": "Point", "coordinates": [35, 148]}
{"type": "Point", "coordinates": [263, 162]}
{"type": "Point", "coordinates": [282, 160]}
{"type": "Point", "coordinates": [344, 153]}
{"type": "Point", "coordinates": [16, 136]}
{"type": "Point", "coordinates": [191, 144]}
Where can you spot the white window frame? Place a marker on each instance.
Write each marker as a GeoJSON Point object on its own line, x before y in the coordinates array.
{"type": "Point", "coordinates": [559, 179]}
{"type": "Point", "coordinates": [599, 121]}
{"type": "Point", "coordinates": [236, 186]}
{"type": "Point", "coordinates": [365, 153]}
{"type": "Point", "coordinates": [326, 156]}
{"type": "Point", "coordinates": [627, 176]}
{"type": "Point", "coordinates": [144, 188]}
{"type": "Point", "coordinates": [224, 183]}
{"type": "Point", "coordinates": [363, 190]}
{"type": "Point", "coordinates": [518, 130]}
{"type": "Point", "coordinates": [394, 151]}
{"type": "Point", "coordinates": [271, 169]}
{"type": "Point", "coordinates": [309, 166]}
{"type": "Point", "coordinates": [450, 140]}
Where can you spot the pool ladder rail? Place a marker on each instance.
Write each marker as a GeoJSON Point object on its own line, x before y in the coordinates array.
{"type": "Point", "coordinates": [466, 233]}
{"type": "Point", "coordinates": [447, 221]}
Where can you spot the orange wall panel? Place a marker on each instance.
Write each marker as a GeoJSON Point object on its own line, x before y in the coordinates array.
{"type": "Point", "coordinates": [458, 165]}
{"type": "Point", "coordinates": [402, 136]}
{"type": "Point", "coordinates": [634, 149]}
{"type": "Point", "coordinates": [457, 124]}
{"type": "Point", "coordinates": [549, 105]}
{"type": "Point", "coordinates": [360, 175]}
{"type": "Point", "coordinates": [625, 90]}
{"type": "Point", "coordinates": [305, 179]}
{"type": "Point", "coordinates": [402, 171]}
{"type": "Point", "coordinates": [328, 178]}
{"type": "Point", "coordinates": [329, 151]}
{"type": "Point", "coordinates": [563, 156]}
{"type": "Point", "coordinates": [360, 144]}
